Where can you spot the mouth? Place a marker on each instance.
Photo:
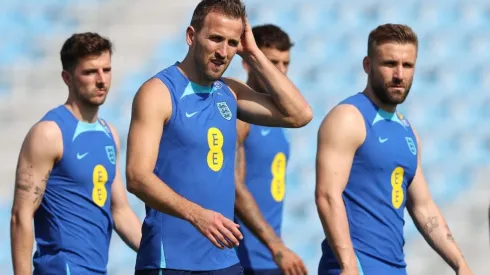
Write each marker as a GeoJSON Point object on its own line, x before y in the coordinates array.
{"type": "Point", "coordinates": [397, 87]}
{"type": "Point", "coordinates": [100, 92]}
{"type": "Point", "coordinates": [218, 63]}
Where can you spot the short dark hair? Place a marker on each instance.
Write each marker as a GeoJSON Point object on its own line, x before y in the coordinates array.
{"type": "Point", "coordinates": [386, 33]}
{"type": "Point", "coordinates": [271, 36]}
{"type": "Point", "coordinates": [231, 8]}
{"type": "Point", "coordinates": [80, 45]}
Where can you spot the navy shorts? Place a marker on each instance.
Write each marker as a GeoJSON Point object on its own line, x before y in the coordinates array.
{"type": "Point", "coordinates": [232, 270]}
{"type": "Point", "coordinates": [262, 272]}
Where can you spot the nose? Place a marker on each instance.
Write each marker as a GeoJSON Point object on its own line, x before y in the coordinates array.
{"type": "Point", "coordinates": [101, 78]}
{"type": "Point", "coordinates": [399, 74]}
{"type": "Point", "coordinates": [222, 51]}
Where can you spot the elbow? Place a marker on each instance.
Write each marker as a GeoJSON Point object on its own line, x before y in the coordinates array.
{"type": "Point", "coordinates": [19, 219]}
{"type": "Point", "coordinates": [133, 180]}
{"type": "Point", "coordinates": [327, 200]}
{"type": "Point", "coordinates": [303, 117]}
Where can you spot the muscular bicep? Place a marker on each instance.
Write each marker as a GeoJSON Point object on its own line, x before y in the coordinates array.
{"type": "Point", "coordinates": [40, 150]}
{"type": "Point", "coordinates": [339, 136]}
{"type": "Point", "coordinates": [150, 111]}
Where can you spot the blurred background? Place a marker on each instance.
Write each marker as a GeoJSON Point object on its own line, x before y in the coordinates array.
{"type": "Point", "coordinates": [449, 102]}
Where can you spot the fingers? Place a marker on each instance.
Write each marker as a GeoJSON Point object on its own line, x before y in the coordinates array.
{"type": "Point", "coordinates": [300, 269]}
{"type": "Point", "coordinates": [233, 228]}
{"type": "Point", "coordinates": [220, 235]}
{"type": "Point", "coordinates": [231, 241]}
{"type": "Point", "coordinates": [214, 240]}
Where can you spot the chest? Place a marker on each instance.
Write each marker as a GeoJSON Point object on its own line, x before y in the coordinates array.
{"type": "Point", "coordinates": [204, 121]}
{"type": "Point", "coordinates": [390, 147]}
{"type": "Point", "coordinates": [90, 160]}
{"type": "Point", "coordinates": [264, 143]}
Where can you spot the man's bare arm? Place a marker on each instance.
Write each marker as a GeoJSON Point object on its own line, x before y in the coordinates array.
{"type": "Point", "coordinates": [126, 223]}
{"type": "Point", "coordinates": [40, 150]}
{"type": "Point", "coordinates": [246, 207]}
{"type": "Point", "coordinates": [429, 220]}
{"type": "Point", "coordinates": [151, 109]}
{"type": "Point", "coordinates": [283, 105]}
{"type": "Point", "coordinates": [249, 212]}
{"type": "Point", "coordinates": [340, 135]}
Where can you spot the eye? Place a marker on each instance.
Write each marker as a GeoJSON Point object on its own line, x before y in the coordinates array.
{"type": "Point", "coordinates": [216, 38]}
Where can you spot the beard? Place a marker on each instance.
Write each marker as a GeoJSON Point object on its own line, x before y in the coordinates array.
{"type": "Point", "coordinates": [205, 68]}
{"type": "Point", "coordinates": [91, 99]}
{"type": "Point", "coordinates": [382, 92]}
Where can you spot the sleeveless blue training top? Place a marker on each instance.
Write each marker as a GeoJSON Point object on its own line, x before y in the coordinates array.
{"type": "Point", "coordinates": [375, 195]}
{"type": "Point", "coordinates": [73, 224]}
{"type": "Point", "coordinates": [195, 159]}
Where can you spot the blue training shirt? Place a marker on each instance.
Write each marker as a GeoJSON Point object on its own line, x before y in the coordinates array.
{"type": "Point", "coordinates": [73, 224]}
{"type": "Point", "coordinates": [375, 195]}
{"type": "Point", "coordinates": [196, 159]}
{"type": "Point", "coordinates": [266, 155]}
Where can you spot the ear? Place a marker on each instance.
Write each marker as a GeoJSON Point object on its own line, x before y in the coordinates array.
{"type": "Point", "coordinates": [366, 64]}
{"type": "Point", "coordinates": [189, 35]}
{"type": "Point", "coordinates": [67, 78]}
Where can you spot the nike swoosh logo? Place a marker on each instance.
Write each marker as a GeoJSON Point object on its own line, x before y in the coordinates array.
{"type": "Point", "coordinates": [382, 140]}
{"type": "Point", "coordinates": [190, 115]}
{"type": "Point", "coordinates": [81, 156]}
{"type": "Point", "coordinates": [264, 132]}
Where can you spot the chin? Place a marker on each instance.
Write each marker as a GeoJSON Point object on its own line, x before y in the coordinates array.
{"type": "Point", "coordinates": [212, 76]}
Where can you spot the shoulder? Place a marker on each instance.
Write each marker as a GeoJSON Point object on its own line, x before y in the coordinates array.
{"type": "Point", "coordinates": [46, 130]}
{"type": "Point", "coordinates": [236, 86]}
{"type": "Point", "coordinates": [44, 137]}
{"type": "Point", "coordinates": [344, 121]}
{"type": "Point", "coordinates": [153, 97]}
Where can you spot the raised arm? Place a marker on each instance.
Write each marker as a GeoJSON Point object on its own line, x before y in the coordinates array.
{"type": "Point", "coordinates": [283, 105]}
{"type": "Point", "coordinates": [430, 222]}
{"type": "Point", "coordinates": [126, 223]}
{"type": "Point", "coordinates": [340, 135]}
{"type": "Point", "coordinates": [41, 148]}
{"type": "Point", "coordinates": [152, 108]}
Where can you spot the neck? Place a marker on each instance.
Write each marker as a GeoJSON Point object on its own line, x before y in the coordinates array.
{"type": "Point", "coordinates": [189, 69]}
{"type": "Point", "coordinates": [368, 91]}
{"type": "Point", "coordinates": [82, 112]}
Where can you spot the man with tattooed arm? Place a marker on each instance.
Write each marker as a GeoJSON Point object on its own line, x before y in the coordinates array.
{"type": "Point", "coordinates": [369, 169]}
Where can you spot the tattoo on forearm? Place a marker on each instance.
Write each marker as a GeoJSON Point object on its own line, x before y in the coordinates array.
{"type": "Point", "coordinates": [449, 236]}
{"type": "Point", "coordinates": [430, 225]}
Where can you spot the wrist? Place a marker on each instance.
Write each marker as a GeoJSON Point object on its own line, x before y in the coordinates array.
{"type": "Point", "coordinates": [192, 213]}
{"type": "Point", "coordinates": [275, 246]}
{"type": "Point", "coordinates": [252, 56]}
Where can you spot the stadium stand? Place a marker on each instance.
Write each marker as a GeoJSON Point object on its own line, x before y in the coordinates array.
{"type": "Point", "coordinates": [448, 103]}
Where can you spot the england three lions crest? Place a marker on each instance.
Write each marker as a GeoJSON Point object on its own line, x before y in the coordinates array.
{"type": "Point", "coordinates": [224, 110]}
{"type": "Point", "coordinates": [111, 154]}
{"type": "Point", "coordinates": [411, 145]}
